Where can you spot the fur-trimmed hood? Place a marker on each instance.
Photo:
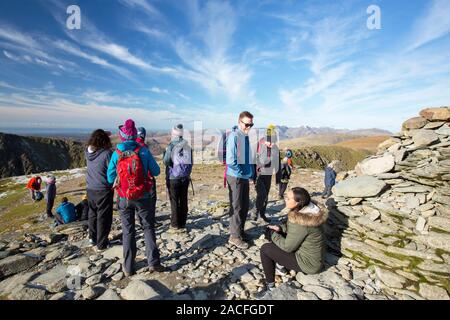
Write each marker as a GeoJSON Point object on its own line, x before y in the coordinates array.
{"type": "Point", "coordinates": [310, 216]}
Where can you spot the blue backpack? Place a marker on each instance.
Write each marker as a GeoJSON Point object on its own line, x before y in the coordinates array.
{"type": "Point", "coordinates": [38, 196]}
{"type": "Point", "coordinates": [181, 160]}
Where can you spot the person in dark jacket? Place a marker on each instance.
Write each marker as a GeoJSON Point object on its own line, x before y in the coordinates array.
{"type": "Point", "coordinates": [99, 191]}
{"type": "Point", "coordinates": [178, 161]}
{"type": "Point", "coordinates": [65, 213]}
{"type": "Point", "coordinates": [82, 209]}
{"type": "Point", "coordinates": [297, 245]}
{"type": "Point", "coordinates": [284, 174]}
{"type": "Point", "coordinates": [50, 194]}
{"type": "Point", "coordinates": [330, 178]}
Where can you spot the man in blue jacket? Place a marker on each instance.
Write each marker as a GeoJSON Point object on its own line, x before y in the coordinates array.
{"type": "Point", "coordinates": [240, 170]}
{"type": "Point", "coordinates": [143, 207]}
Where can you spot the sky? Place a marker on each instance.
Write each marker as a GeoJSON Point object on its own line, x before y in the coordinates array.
{"type": "Point", "coordinates": [161, 62]}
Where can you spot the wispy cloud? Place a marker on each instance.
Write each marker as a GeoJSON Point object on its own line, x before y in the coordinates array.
{"type": "Point", "coordinates": [434, 24]}
{"type": "Point", "coordinates": [143, 5]}
{"type": "Point", "coordinates": [211, 65]}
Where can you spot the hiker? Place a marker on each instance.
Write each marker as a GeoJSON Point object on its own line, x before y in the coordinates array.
{"type": "Point", "coordinates": [65, 213]}
{"type": "Point", "coordinates": [239, 170]}
{"type": "Point", "coordinates": [284, 174]}
{"type": "Point", "coordinates": [99, 191]}
{"type": "Point", "coordinates": [330, 178]}
{"type": "Point", "coordinates": [50, 194]}
{"type": "Point", "coordinates": [297, 245]}
{"type": "Point", "coordinates": [129, 170]}
{"type": "Point", "coordinates": [34, 185]}
{"type": "Point", "coordinates": [141, 135]}
{"type": "Point", "coordinates": [178, 161]}
{"type": "Point", "coordinates": [82, 209]}
{"type": "Point", "coordinates": [267, 161]}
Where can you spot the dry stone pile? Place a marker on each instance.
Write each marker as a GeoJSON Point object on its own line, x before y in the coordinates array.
{"type": "Point", "coordinates": [392, 213]}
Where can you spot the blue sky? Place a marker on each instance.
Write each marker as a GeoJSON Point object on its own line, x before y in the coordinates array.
{"type": "Point", "coordinates": [161, 62]}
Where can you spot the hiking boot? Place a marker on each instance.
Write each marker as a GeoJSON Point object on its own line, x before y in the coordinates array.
{"type": "Point", "coordinates": [92, 243]}
{"type": "Point", "coordinates": [158, 268]}
{"type": "Point", "coordinates": [263, 293]}
{"type": "Point", "coordinates": [238, 243]}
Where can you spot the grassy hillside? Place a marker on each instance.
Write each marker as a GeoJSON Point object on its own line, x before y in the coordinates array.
{"type": "Point", "coordinates": [367, 143]}
{"type": "Point", "coordinates": [317, 157]}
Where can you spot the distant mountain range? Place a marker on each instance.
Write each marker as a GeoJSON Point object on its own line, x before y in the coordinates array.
{"type": "Point", "coordinates": [59, 150]}
{"type": "Point", "coordinates": [292, 133]}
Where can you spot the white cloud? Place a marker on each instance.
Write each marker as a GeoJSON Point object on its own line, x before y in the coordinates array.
{"type": "Point", "coordinates": [159, 90]}
{"type": "Point", "coordinates": [433, 25]}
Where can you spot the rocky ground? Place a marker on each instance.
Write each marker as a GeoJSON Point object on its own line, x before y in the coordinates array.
{"type": "Point", "coordinates": [388, 236]}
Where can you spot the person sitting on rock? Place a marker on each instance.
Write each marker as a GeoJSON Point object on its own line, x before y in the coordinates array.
{"type": "Point", "coordinates": [297, 245]}
{"type": "Point", "coordinates": [50, 194]}
{"type": "Point", "coordinates": [65, 213]}
{"type": "Point", "coordinates": [330, 178]}
{"type": "Point", "coordinates": [82, 209]}
{"type": "Point", "coordinates": [34, 185]}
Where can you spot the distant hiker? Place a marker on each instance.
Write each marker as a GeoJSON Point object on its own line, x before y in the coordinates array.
{"type": "Point", "coordinates": [178, 162]}
{"type": "Point", "coordinates": [299, 244]}
{"type": "Point", "coordinates": [82, 209]}
{"type": "Point", "coordinates": [239, 171]}
{"type": "Point", "coordinates": [267, 162]}
{"type": "Point", "coordinates": [50, 194]}
{"type": "Point", "coordinates": [100, 194]}
{"type": "Point", "coordinates": [65, 213]}
{"type": "Point", "coordinates": [330, 178]}
{"type": "Point", "coordinates": [129, 170]}
{"type": "Point", "coordinates": [34, 185]}
{"type": "Point", "coordinates": [141, 135]}
{"type": "Point", "coordinates": [284, 174]}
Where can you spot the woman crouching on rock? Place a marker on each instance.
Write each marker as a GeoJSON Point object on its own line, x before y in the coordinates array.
{"type": "Point", "coordinates": [299, 244]}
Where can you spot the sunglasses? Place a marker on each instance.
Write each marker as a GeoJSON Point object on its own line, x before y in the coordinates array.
{"type": "Point", "coordinates": [248, 125]}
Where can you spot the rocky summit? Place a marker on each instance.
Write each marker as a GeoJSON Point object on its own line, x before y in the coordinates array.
{"type": "Point", "coordinates": [388, 236]}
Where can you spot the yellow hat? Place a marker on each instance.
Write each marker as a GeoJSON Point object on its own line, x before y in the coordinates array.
{"type": "Point", "coordinates": [271, 128]}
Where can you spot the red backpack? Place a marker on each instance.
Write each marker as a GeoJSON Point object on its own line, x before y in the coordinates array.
{"type": "Point", "coordinates": [132, 181]}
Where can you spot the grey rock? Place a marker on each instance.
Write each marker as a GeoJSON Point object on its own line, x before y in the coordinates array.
{"type": "Point", "coordinates": [92, 292]}
{"type": "Point", "coordinates": [93, 280]}
{"type": "Point", "coordinates": [321, 292]}
{"type": "Point", "coordinates": [54, 280]}
{"type": "Point", "coordinates": [109, 295]}
{"type": "Point", "coordinates": [359, 187]}
{"type": "Point", "coordinates": [17, 263]}
{"type": "Point", "coordinates": [390, 278]}
{"type": "Point", "coordinates": [27, 293]}
{"type": "Point", "coordinates": [139, 290]}
{"type": "Point", "coordinates": [378, 165]}
{"type": "Point", "coordinates": [307, 296]}
{"type": "Point", "coordinates": [423, 138]}
{"type": "Point", "coordinates": [431, 292]}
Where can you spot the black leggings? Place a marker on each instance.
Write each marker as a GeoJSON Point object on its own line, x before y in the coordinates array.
{"type": "Point", "coordinates": [271, 254]}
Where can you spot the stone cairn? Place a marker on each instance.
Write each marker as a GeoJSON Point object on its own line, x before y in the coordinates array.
{"type": "Point", "coordinates": [392, 213]}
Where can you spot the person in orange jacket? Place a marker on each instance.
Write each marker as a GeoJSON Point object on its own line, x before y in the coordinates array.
{"type": "Point", "coordinates": [34, 185]}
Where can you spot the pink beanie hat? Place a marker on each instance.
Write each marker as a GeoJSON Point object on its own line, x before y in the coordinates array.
{"type": "Point", "coordinates": [128, 131]}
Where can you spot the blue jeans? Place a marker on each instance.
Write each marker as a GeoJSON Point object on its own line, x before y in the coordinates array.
{"type": "Point", "coordinates": [144, 208]}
